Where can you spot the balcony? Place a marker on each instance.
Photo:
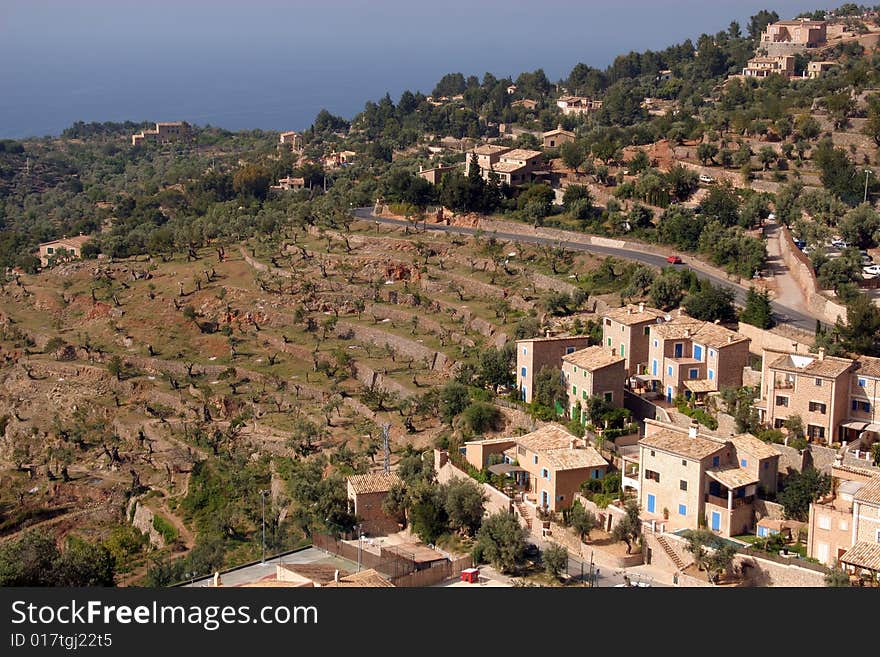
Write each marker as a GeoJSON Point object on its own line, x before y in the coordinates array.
{"type": "Point", "coordinates": [630, 482]}
{"type": "Point", "coordinates": [722, 501]}
{"type": "Point", "coordinates": [783, 384]}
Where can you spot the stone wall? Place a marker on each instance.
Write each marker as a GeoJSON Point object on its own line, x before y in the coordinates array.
{"type": "Point", "coordinates": [773, 339]}
{"type": "Point", "coordinates": [496, 500]}
{"type": "Point", "coordinates": [438, 360]}
{"type": "Point", "coordinates": [802, 272]}
{"type": "Point", "coordinates": [369, 377]}
{"type": "Point", "coordinates": [766, 509]}
{"type": "Point", "coordinates": [143, 521]}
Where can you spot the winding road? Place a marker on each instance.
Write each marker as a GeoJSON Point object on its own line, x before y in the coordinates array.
{"type": "Point", "coordinates": [784, 314]}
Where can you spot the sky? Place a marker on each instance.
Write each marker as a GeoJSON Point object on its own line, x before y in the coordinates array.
{"type": "Point", "coordinates": [273, 65]}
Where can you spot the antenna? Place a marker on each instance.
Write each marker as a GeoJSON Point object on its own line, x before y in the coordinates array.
{"type": "Point", "coordinates": [385, 428]}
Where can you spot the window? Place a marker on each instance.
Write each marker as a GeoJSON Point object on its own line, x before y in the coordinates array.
{"type": "Point", "coordinates": [692, 373]}
{"type": "Point", "coordinates": [647, 330]}
{"type": "Point", "coordinates": [523, 371]}
{"type": "Point", "coordinates": [844, 525]}
{"type": "Point", "coordinates": [743, 463]}
{"type": "Point", "coordinates": [683, 484]}
{"type": "Point", "coordinates": [819, 383]}
{"type": "Point", "coordinates": [525, 351]}
{"type": "Point", "coordinates": [583, 394]}
{"type": "Point", "coordinates": [711, 353]}
{"type": "Point", "coordinates": [560, 498]}
{"type": "Point", "coordinates": [682, 510]}
{"type": "Point", "coordinates": [545, 473]}
{"type": "Point", "coordinates": [535, 461]}
{"type": "Point", "coordinates": [609, 342]}
{"type": "Point", "coordinates": [698, 352]}
{"type": "Point", "coordinates": [781, 400]}
{"type": "Point", "coordinates": [767, 465]}
{"type": "Point", "coordinates": [815, 432]}
{"type": "Point", "coordinates": [716, 460]}
{"type": "Point", "coordinates": [50, 250]}
{"type": "Point", "coordinates": [778, 422]}
{"type": "Point", "coordinates": [684, 463]}
{"type": "Point", "coordinates": [653, 476]}
{"type": "Point", "coordinates": [622, 349]}
{"type": "Point", "coordinates": [574, 390]}
{"type": "Point", "coordinates": [817, 407]}
{"type": "Point", "coordinates": [596, 474]}
{"type": "Point", "coordinates": [678, 349]}
{"type": "Point", "coordinates": [824, 522]}
{"type": "Point", "coordinates": [655, 343]}
{"type": "Point", "coordinates": [862, 383]}
{"type": "Point", "coordinates": [864, 407]}
{"type": "Point", "coordinates": [569, 350]}
{"type": "Point", "coordinates": [609, 396]}
{"type": "Point", "coordinates": [711, 375]}
{"type": "Point", "coordinates": [654, 367]}
{"type": "Point", "coordinates": [669, 370]}
{"type": "Point", "coordinates": [652, 453]}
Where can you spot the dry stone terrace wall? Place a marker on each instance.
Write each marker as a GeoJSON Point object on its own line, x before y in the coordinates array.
{"type": "Point", "coordinates": [380, 338]}
{"type": "Point", "coordinates": [799, 266]}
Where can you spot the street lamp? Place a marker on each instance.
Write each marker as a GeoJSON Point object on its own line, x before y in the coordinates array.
{"type": "Point", "coordinates": [263, 494]}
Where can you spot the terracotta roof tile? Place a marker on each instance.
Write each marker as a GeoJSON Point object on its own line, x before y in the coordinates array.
{"type": "Point", "coordinates": [373, 482]}
{"type": "Point", "coordinates": [830, 366]}
{"type": "Point", "coordinates": [630, 314]}
{"type": "Point", "coordinates": [682, 444]}
{"type": "Point", "coordinates": [864, 555]}
{"type": "Point", "coordinates": [593, 358]}
{"type": "Point", "coordinates": [870, 492]}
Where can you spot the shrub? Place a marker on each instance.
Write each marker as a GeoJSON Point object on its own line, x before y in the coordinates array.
{"type": "Point", "coordinates": [165, 528]}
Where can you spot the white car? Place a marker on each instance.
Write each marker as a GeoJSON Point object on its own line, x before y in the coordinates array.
{"type": "Point", "coordinates": [839, 243]}
{"type": "Point", "coordinates": [706, 178]}
{"type": "Point", "coordinates": [872, 270]}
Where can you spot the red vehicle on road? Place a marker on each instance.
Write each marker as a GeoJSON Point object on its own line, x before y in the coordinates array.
{"type": "Point", "coordinates": [674, 259]}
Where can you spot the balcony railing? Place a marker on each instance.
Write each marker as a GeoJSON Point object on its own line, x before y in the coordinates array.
{"type": "Point", "coordinates": [722, 501]}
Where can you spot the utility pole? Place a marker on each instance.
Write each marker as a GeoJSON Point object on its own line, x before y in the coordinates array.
{"type": "Point", "coordinates": [263, 494]}
{"type": "Point", "coordinates": [868, 172]}
{"type": "Point", "coordinates": [385, 428]}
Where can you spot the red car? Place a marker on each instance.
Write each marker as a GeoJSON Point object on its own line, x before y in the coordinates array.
{"type": "Point", "coordinates": [674, 259]}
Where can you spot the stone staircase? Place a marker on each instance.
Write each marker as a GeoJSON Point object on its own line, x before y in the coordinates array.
{"type": "Point", "coordinates": [672, 554]}
{"type": "Point", "coordinates": [524, 514]}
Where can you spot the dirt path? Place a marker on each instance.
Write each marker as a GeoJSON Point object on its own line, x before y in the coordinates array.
{"type": "Point", "coordinates": [787, 289]}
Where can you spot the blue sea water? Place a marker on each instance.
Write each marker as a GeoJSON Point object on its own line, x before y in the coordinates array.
{"type": "Point", "coordinates": [272, 64]}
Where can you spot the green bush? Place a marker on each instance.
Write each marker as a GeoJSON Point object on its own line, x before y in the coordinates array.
{"type": "Point", "coordinates": [165, 528]}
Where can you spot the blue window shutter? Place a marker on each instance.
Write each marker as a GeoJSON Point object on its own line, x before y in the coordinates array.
{"type": "Point", "coordinates": [743, 463]}
{"type": "Point", "coordinates": [524, 371]}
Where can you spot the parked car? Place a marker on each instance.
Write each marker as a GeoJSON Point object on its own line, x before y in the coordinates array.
{"type": "Point", "coordinates": [872, 270]}
{"type": "Point", "coordinates": [800, 244]}
{"type": "Point", "coordinates": [706, 178]}
{"type": "Point", "coordinates": [674, 259]}
{"type": "Point", "coordinates": [532, 550]}
{"type": "Point", "coordinates": [839, 243]}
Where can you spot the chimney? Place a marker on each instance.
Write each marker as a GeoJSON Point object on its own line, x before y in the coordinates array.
{"type": "Point", "coordinates": [729, 339]}
{"type": "Point", "coordinates": [794, 346]}
{"type": "Point", "coordinates": [336, 575]}
{"type": "Point", "coordinates": [573, 443]}
{"type": "Point", "coordinates": [692, 430]}
{"type": "Point", "coordinates": [629, 310]}
{"type": "Point", "coordinates": [821, 353]}
{"type": "Point", "coordinates": [217, 581]}
{"type": "Point", "coordinates": [687, 333]}
{"type": "Point", "coordinates": [613, 351]}
{"type": "Point", "coordinates": [546, 333]}
{"type": "Point", "coordinates": [641, 306]}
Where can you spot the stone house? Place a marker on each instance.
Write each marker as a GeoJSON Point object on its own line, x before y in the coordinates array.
{"type": "Point", "coordinates": [594, 371]}
{"type": "Point", "coordinates": [534, 353]}
{"type": "Point", "coordinates": [366, 493]}
{"type": "Point", "coordinates": [626, 329]}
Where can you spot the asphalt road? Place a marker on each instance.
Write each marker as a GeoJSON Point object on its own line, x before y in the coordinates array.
{"type": "Point", "coordinates": [782, 313]}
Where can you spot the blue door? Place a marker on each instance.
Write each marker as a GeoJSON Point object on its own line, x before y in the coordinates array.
{"type": "Point", "coordinates": [652, 502]}
{"type": "Point", "coordinates": [716, 521]}
{"type": "Point", "coordinates": [654, 368]}
{"type": "Point", "coordinates": [669, 393]}
{"type": "Point", "coordinates": [523, 393]}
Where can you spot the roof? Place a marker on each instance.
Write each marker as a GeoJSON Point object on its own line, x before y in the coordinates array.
{"type": "Point", "coordinates": [733, 476]}
{"type": "Point", "coordinates": [868, 366]}
{"type": "Point", "coordinates": [551, 338]}
{"type": "Point", "coordinates": [715, 335]}
{"type": "Point", "coordinates": [863, 555]}
{"type": "Point", "coordinates": [415, 552]}
{"type": "Point", "coordinates": [546, 438]}
{"type": "Point", "coordinates": [316, 572]}
{"type": "Point", "coordinates": [803, 21]}
{"type": "Point", "coordinates": [77, 241]}
{"type": "Point", "coordinates": [829, 366]}
{"type": "Point", "coordinates": [870, 492]}
{"type": "Point", "coordinates": [373, 482]}
{"type": "Point", "coordinates": [505, 468]}
{"type": "Point", "coordinates": [521, 154]}
{"type": "Point", "coordinates": [676, 328]}
{"type": "Point", "coordinates": [573, 459]}
{"type": "Point", "coordinates": [754, 446]}
{"type": "Point", "coordinates": [779, 524]}
{"type": "Point", "coordinates": [491, 149]}
{"type": "Point", "coordinates": [700, 385]}
{"type": "Point", "coordinates": [850, 487]}
{"type": "Point", "coordinates": [364, 579]}
{"type": "Point", "coordinates": [630, 314]}
{"type": "Point", "coordinates": [682, 444]}
{"type": "Point", "coordinates": [593, 358]}
{"type": "Point", "coordinates": [559, 131]}
{"type": "Point", "coordinates": [506, 167]}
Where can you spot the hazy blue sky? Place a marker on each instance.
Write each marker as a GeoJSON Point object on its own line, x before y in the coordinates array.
{"type": "Point", "coordinates": [272, 64]}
